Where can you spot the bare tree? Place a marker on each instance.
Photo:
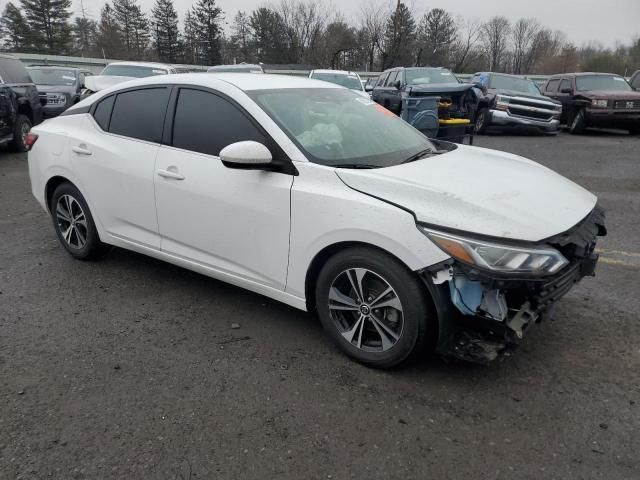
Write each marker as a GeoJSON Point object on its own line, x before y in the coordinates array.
{"type": "Point", "coordinates": [523, 37]}
{"type": "Point", "coordinates": [373, 20]}
{"type": "Point", "coordinates": [465, 49]}
{"type": "Point", "coordinates": [304, 23]}
{"type": "Point", "coordinates": [495, 36]}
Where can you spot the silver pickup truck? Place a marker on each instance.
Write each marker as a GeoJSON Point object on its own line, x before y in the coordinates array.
{"type": "Point", "coordinates": [514, 101]}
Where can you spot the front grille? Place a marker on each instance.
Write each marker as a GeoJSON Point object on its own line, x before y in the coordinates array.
{"type": "Point", "coordinates": [624, 104]}
{"type": "Point", "coordinates": [530, 114]}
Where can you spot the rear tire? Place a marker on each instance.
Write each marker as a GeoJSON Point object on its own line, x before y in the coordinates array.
{"type": "Point", "coordinates": [578, 123]}
{"type": "Point", "coordinates": [377, 329]}
{"type": "Point", "coordinates": [74, 224]}
{"type": "Point", "coordinates": [20, 131]}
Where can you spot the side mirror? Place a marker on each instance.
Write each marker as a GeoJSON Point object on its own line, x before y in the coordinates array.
{"type": "Point", "coordinates": [397, 84]}
{"type": "Point", "coordinates": [368, 88]}
{"type": "Point", "coordinates": [566, 90]}
{"type": "Point", "coordinates": [248, 155]}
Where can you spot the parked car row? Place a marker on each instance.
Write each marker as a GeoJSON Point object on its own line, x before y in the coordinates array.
{"type": "Point", "coordinates": [578, 100]}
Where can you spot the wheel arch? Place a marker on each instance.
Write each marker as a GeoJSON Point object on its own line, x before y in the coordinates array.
{"type": "Point", "coordinates": [327, 252]}
{"type": "Point", "coordinates": [51, 186]}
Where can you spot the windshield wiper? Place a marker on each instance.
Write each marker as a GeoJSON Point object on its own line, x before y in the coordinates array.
{"type": "Point", "coordinates": [419, 155]}
{"type": "Point", "coordinates": [354, 165]}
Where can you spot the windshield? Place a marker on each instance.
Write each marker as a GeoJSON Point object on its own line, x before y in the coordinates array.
{"type": "Point", "coordinates": [421, 76]}
{"type": "Point", "coordinates": [513, 83]}
{"type": "Point", "coordinates": [602, 82]}
{"type": "Point", "coordinates": [136, 71]}
{"type": "Point", "coordinates": [338, 127]}
{"type": "Point", "coordinates": [50, 76]}
{"type": "Point", "coordinates": [349, 81]}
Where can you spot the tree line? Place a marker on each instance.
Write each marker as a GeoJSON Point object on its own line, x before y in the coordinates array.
{"type": "Point", "coordinates": [305, 32]}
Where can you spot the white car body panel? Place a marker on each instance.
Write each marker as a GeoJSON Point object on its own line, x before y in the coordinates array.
{"type": "Point", "coordinates": [481, 191]}
{"type": "Point", "coordinates": [236, 221]}
{"type": "Point", "coordinates": [262, 230]}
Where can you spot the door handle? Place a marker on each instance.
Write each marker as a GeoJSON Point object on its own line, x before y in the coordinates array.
{"type": "Point", "coordinates": [82, 150]}
{"type": "Point", "coordinates": [170, 174]}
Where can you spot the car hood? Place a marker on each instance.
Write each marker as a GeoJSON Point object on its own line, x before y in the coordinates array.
{"type": "Point", "coordinates": [70, 89]}
{"type": "Point", "coordinates": [438, 88]}
{"type": "Point", "coordinates": [95, 83]}
{"type": "Point", "coordinates": [609, 94]}
{"type": "Point", "coordinates": [480, 191]}
{"type": "Point", "coordinates": [515, 93]}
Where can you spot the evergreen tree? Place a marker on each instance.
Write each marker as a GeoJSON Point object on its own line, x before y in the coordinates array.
{"type": "Point", "coordinates": [84, 33]}
{"type": "Point", "coordinates": [109, 38]}
{"type": "Point", "coordinates": [190, 51]}
{"type": "Point", "coordinates": [240, 42]}
{"type": "Point", "coordinates": [165, 30]}
{"type": "Point", "coordinates": [436, 34]}
{"type": "Point", "coordinates": [133, 26]}
{"type": "Point", "coordinates": [268, 36]}
{"type": "Point", "coordinates": [399, 38]}
{"type": "Point", "coordinates": [15, 31]}
{"type": "Point", "coordinates": [48, 22]}
{"type": "Point", "coordinates": [207, 16]}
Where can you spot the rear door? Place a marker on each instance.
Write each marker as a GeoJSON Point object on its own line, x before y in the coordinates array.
{"type": "Point", "coordinates": [114, 158]}
{"type": "Point", "coordinates": [377, 94]}
{"type": "Point", "coordinates": [234, 221]}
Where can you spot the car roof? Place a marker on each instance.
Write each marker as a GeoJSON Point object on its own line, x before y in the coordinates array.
{"type": "Point", "coordinates": [57, 67]}
{"type": "Point", "coordinates": [337, 72]}
{"type": "Point", "coordinates": [238, 65]}
{"type": "Point", "coordinates": [142, 64]}
{"type": "Point", "coordinates": [243, 81]}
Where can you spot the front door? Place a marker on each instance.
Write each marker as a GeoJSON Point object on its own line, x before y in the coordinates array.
{"type": "Point", "coordinates": [234, 221]}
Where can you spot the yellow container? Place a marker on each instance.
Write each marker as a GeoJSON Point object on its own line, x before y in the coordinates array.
{"type": "Point", "coordinates": [455, 121]}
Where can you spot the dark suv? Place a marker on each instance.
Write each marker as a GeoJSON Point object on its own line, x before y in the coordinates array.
{"type": "Point", "coordinates": [20, 106]}
{"type": "Point", "coordinates": [59, 87]}
{"type": "Point", "coordinates": [602, 100]}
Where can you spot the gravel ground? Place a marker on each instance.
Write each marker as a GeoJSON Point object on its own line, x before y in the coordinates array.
{"type": "Point", "coordinates": [130, 368]}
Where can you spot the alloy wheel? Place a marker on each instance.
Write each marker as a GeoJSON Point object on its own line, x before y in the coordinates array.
{"type": "Point", "coordinates": [366, 310]}
{"type": "Point", "coordinates": [72, 221]}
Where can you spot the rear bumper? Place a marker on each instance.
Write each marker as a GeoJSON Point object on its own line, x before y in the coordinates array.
{"type": "Point", "coordinates": [500, 118]}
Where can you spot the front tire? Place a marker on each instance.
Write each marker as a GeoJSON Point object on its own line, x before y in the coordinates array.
{"type": "Point", "coordinates": [482, 119]}
{"type": "Point", "coordinates": [578, 123]}
{"type": "Point", "coordinates": [20, 131]}
{"type": "Point", "coordinates": [373, 307]}
{"type": "Point", "coordinates": [74, 223]}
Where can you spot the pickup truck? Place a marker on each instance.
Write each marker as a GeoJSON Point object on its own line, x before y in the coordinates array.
{"type": "Point", "coordinates": [514, 101]}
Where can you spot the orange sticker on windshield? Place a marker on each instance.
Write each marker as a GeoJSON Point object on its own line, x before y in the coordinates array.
{"type": "Point", "coordinates": [380, 108]}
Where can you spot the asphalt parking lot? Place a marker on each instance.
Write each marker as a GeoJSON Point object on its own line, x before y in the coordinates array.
{"type": "Point", "coordinates": [130, 368]}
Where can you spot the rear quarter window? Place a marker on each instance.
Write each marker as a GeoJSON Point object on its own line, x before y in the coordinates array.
{"type": "Point", "coordinates": [102, 113]}
{"type": "Point", "coordinates": [140, 113]}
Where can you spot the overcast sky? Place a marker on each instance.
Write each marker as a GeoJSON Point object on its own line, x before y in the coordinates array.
{"type": "Point", "coordinates": [605, 21]}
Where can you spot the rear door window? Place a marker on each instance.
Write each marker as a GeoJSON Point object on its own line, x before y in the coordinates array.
{"type": "Point", "coordinates": [140, 113]}
{"type": "Point", "coordinates": [382, 80]}
{"type": "Point", "coordinates": [392, 78]}
{"type": "Point", "coordinates": [552, 86]}
{"type": "Point", "coordinates": [206, 123]}
{"type": "Point", "coordinates": [565, 83]}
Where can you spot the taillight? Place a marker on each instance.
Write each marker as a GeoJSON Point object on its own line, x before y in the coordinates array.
{"type": "Point", "coordinates": [30, 140]}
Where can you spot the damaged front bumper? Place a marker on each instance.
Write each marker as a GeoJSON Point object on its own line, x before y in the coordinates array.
{"type": "Point", "coordinates": [483, 314]}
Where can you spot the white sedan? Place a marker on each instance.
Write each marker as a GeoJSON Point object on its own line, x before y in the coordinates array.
{"type": "Point", "coordinates": [314, 196]}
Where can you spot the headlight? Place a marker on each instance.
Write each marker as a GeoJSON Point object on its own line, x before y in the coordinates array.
{"type": "Point", "coordinates": [497, 257]}
{"type": "Point", "coordinates": [599, 103]}
{"type": "Point", "coordinates": [56, 99]}
{"type": "Point", "coordinates": [502, 103]}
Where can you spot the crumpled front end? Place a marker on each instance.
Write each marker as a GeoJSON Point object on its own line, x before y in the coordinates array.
{"type": "Point", "coordinates": [484, 315]}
